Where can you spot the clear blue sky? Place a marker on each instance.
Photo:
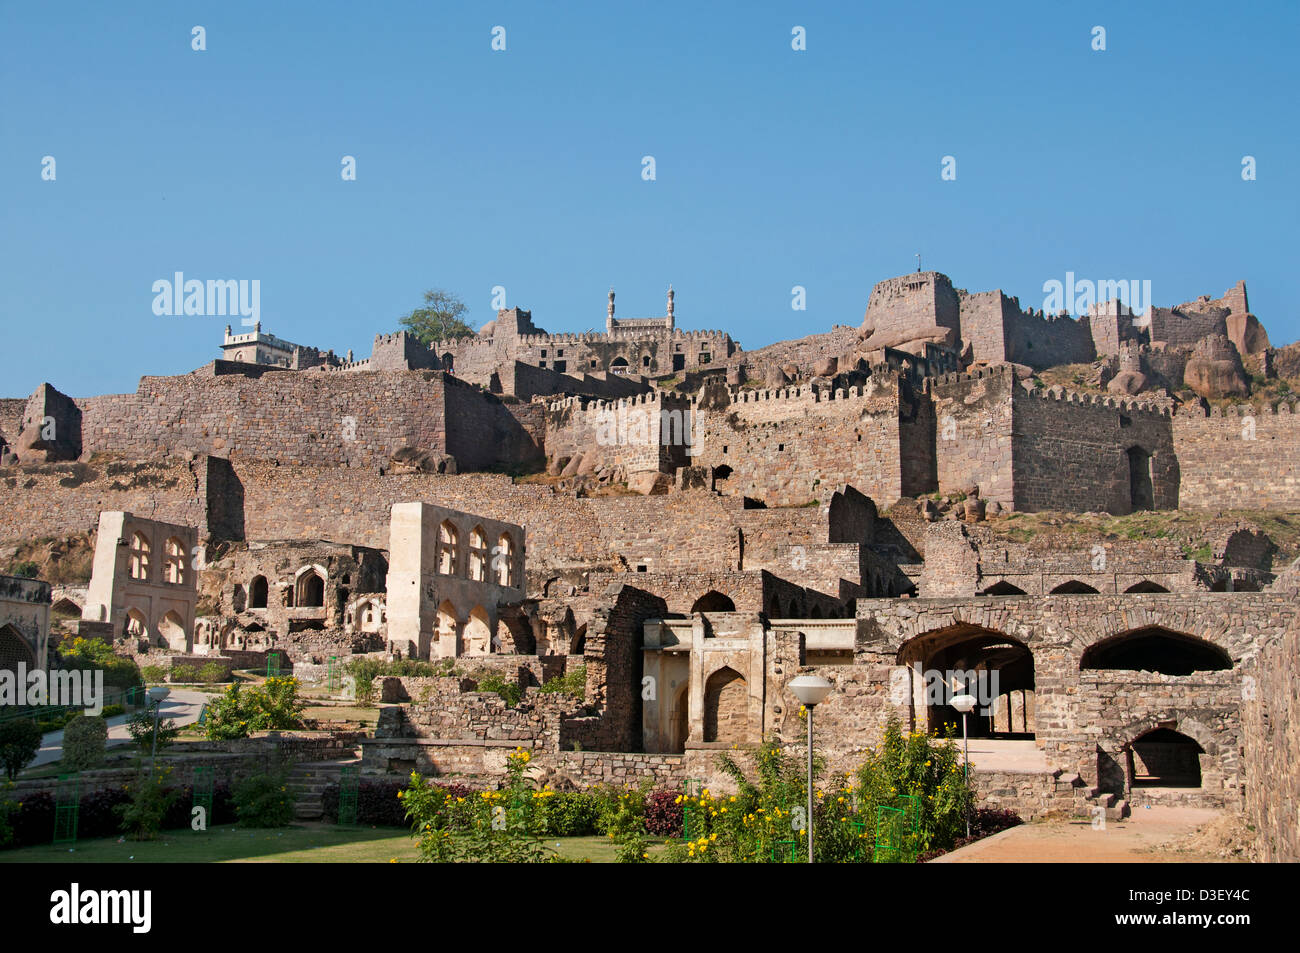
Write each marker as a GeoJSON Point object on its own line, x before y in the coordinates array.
{"type": "Point", "coordinates": [522, 168]}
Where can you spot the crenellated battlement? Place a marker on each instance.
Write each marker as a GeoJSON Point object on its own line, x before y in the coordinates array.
{"type": "Point", "coordinates": [585, 403]}
{"type": "Point", "coordinates": [991, 372]}
{"type": "Point", "coordinates": [1131, 405]}
{"type": "Point", "coordinates": [1282, 408]}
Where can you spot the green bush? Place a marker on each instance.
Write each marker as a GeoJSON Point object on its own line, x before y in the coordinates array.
{"type": "Point", "coordinates": [96, 654]}
{"type": "Point", "coordinates": [491, 827]}
{"type": "Point", "coordinates": [111, 711]}
{"type": "Point", "coordinates": [213, 672]}
{"type": "Point", "coordinates": [142, 816]}
{"type": "Point", "coordinates": [20, 739]}
{"type": "Point", "coordinates": [27, 570]}
{"type": "Point", "coordinates": [84, 741]}
{"type": "Point", "coordinates": [510, 692]}
{"type": "Point", "coordinates": [264, 800]}
{"type": "Point", "coordinates": [571, 683]}
{"type": "Point", "coordinates": [153, 674]}
{"type": "Point", "coordinates": [140, 726]}
{"type": "Point", "coordinates": [8, 808]}
{"type": "Point", "coordinates": [365, 670]}
{"type": "Point", "coordinates": [272, 706]}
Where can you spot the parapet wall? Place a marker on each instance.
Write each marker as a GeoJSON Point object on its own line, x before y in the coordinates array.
{"type": "Point", "coordinates": [296, 419]}
{"type": "Point", "coordinates": [1270, 723]}
{"type": "Point", "coordinates": [791, 446]}
{"type": "Point", "coordinates": [1245, 458]}
{"type": "Point", "coordinates": [1072, 451]}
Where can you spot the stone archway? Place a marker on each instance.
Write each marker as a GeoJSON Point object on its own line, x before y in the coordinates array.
{"type": "Point", "coordinates": [996, 668]}
{"type": "Point", "coordinates": [171, 632]}
{"type": "Point", "coordinates": [713, 601]}
{"type": "Point", "coordinates": [1155, 648]}
{"type": "Point", "coordinates": [726, 707]}
{"type": "Point", "coordinates": [14, 649]}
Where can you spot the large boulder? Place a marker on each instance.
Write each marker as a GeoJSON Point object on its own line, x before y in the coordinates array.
{"type": "Point", "coordinates": [414, 460]}
{"type": "Point", "coordinates": [1215, 369]}
{"type": "Point", "coordinates": [1245, 331]}
{"type": "Point", "coordinates": [649, 483]}
{"type": "Point", "coordinates": [1128, 383]}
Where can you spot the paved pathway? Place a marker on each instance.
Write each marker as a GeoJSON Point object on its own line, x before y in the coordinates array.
{"type": "Point", "coordinates": [1077, 841]}
{"type": "Point", "coordinates": [181, 706]}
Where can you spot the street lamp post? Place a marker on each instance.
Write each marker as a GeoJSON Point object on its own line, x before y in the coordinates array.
{"type": "Point", "coordinates": [965, 704]}
{"type": "Point", "coordinates": [810, 690]}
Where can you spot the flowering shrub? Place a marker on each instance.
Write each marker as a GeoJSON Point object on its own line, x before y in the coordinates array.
{"type": "Point", "coordinates": [490, 827]}
{"type": "Point", "coordinates": [917, 777]}
{"type": "Point", "coordinates": [663, 814]}
{"type": "Point", "coordinates": [272, 706]}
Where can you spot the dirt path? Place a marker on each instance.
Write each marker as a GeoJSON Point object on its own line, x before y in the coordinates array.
{"type": "Point", "coordinates": [1152, 836]}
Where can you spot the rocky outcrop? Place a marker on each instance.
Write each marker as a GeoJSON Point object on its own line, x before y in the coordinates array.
{"type": "Point", "coordinates": [1215, 369]}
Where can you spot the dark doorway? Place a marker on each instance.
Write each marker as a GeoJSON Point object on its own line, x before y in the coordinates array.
{"type": "Point", "coordinates": [1141, 496]}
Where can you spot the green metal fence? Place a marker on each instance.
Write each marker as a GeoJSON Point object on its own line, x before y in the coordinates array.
{"type": "Point", "coordinates": [349, 789]}
{"type": "Point", "coordinates": [67, 808]}
{"type": "Point", "coordinates": [202, 794]}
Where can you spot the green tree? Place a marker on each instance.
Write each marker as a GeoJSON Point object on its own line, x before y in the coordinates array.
{"type": "Point", "coordinates": [439, 319]}
{"type": "Point", "coordinates": [19, 741]}
{"type": "Point", "coordinates": [84, 741]}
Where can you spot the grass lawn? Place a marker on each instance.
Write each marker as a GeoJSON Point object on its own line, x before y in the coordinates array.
{"type": "Point", "coordinates": [304, 844]}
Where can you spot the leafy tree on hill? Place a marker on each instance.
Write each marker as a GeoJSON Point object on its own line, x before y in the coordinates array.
{"type": "Point", "coordinates": [439, 319]}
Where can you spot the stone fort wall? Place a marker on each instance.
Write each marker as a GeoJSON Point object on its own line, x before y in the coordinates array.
{"type": "Point", "coordinates": [1270, 724]}
{"type": "Point", "coordinates": [1244, 458]}
{"type": "Point", "coordinates": [306, 419]}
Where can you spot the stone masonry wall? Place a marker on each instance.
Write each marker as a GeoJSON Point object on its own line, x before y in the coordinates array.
{"type": "Point", "coordinates": [1245, 459]}
{"type": "Point", "coordinates": [1069, 451]}
{"type": "Point", "coordinates": [1270, 730]}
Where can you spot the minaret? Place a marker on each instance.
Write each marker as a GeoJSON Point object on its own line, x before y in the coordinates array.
{"type": "Point", "coordinates": [609, 318]}
{"type": "Point", "coordinates": [670, 307]}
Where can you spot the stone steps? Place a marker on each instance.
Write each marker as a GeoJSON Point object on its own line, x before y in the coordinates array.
{"type": "Point", "coordinates": [307, 783]}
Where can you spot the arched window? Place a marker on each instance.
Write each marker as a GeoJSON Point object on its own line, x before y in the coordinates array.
{"type": "Point", "coordinates": [257, 593]}
{"type": "Point", "coordinates": [310, 590]}
{"type": "Point", "coordinates": [171, 632]}
{"type": "Point", "coordinates": [1146, 586]}
{"type": "Point", "coordinates": [448, 543]}
{"type": "Point", "coordinates": [1156, 649]}
{"type": "Point", "coordinates": [14, 649]}
{"type": "Point", "coordinates": [174, 562]}
{"type": "Point", "coordinates": [1164, 757]}
{"type": "Point", "coordinates": [1002, 588]}
{"type": "Point", "coordinates": [713, 601]}
{"type": "Point", "coordinates": [503, 560]}
{"type": "Point", "coordinates": [139, 556]}
{"type": "Point", "coordinates": [478, 632]}
{"type": "Point", "coordinates": [136, 624]}
{"type": "Point", "coordinates": [1073, 588]}
{"type": "Point", "coordinates": [478, 554]}
{"type": "Point", "coordinates": [726, 707]}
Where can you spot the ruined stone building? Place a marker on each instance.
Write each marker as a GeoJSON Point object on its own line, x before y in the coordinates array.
{"type": "Point", "coordinates": [144, 583]}
{"type": "Point", "coordinates": [24, 623]}
{"type": "Point", "coordinates": [692, 525]}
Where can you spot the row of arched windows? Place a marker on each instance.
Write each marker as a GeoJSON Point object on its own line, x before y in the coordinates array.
{"type": "Point", "coordinates": [480, 565]}
{"type": "Point", "coordinates": [174, 567]}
